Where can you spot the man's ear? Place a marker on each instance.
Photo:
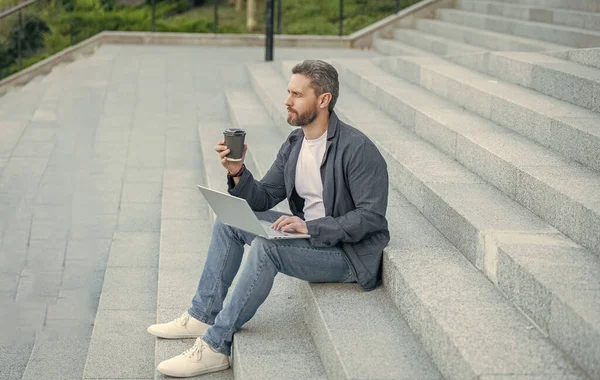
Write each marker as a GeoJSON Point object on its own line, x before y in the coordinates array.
{"type": "Point", "coordinates": [324, 100]}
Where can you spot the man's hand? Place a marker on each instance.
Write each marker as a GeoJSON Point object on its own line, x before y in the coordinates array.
{"type": "Point", "coordinates": [231, 166]}
{"type": "Point", "coordinates": [290, 224]}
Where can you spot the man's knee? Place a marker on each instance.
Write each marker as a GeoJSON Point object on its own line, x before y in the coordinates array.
{"type": "Point", "coordinates": [219, 226]}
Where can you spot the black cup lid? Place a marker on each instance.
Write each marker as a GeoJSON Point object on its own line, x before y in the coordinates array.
{"type": "Point", "coordinates": [234, 132]}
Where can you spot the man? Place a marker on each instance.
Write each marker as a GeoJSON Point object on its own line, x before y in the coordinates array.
{"type": "Point", "coordinates": [336, 184]}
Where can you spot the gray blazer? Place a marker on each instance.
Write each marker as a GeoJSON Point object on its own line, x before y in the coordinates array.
{"type": "Point", "coordinates": [355, 196]}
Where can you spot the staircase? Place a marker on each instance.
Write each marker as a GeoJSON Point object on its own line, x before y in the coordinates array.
{"type": "Point", "coordinates": [488, 117]}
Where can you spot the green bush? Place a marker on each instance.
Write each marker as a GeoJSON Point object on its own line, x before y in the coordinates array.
{"type": "Point", "coordinates": [32, 35]}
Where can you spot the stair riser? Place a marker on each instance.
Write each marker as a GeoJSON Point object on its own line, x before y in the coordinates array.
{"type": "Point", "coordinates": [547, 131]}
{"type": "Point", "coordinates": [542, 32]}
{"type": "Point", "coordinates": [552, 315]}
{"type": "Point", "coordinates": [572, 89]}
{"type": "Point", "coordinates": [387, 49]}
{"type": "Point", "coordinates": [576, 90]}
{"type": "Point", "coordinates": [320, 335]}
{"type": "Point", "coordinates": [553, 206]}
{"type": "Point", "coordinates": [436, 47]}
{"type": "Point", "coordinates": [501, 43]}
{"type": "Point", "coordinates": [573, 19]}
{"type": "Point", "coordinates": [580, 5]}
{"type": "Point", "coordinates": [428, 330]}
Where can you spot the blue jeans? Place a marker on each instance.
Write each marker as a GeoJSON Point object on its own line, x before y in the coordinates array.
{"type": "Point", "coordinates": [294, 257]}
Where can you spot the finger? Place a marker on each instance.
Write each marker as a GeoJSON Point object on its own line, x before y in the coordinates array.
{"type": "Point", "coordinates": [291, 227]}
{"type": "Point", "coordinates": [276, 224]}
{"type": "Point", "coordinates": [285, 223]}
{"type": "Point", "coordinates": [280, 222]}
{"type": "Point", "coordinates": [220, 148]}
{"type": "Point", "coordinates": [224, 153]}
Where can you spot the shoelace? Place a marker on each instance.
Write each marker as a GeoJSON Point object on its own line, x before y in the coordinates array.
{"type": "Point", "coordinates": [183, 319]}
{"type": "Point", "coordinates": [196, 350]}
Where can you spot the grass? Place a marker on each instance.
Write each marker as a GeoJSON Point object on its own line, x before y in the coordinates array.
{"type": "Point", "coordinates": [301, 17]}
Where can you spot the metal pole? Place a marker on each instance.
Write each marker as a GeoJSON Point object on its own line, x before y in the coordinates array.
{"type": "Point", "coordinates": [19, 38]}
{"type": "Point", "coordinates": [341, 17]}
{"type": "Point", "coordinates": [216, 17]}
{"type": "Point", "coordinates": [279, 16]}
{"type": "Point", "coordinates": [269, 31]}
{"type": "Point", "coordinates": [153, 26]}
{"type": "Point", "coordinates": [397, 6]}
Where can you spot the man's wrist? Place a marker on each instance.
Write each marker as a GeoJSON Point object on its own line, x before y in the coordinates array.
{"type": "Point", "coordinates": [238, 174]}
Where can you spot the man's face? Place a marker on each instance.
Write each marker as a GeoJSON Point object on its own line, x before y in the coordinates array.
{"type": "Point", "coordinates": [301, 102]}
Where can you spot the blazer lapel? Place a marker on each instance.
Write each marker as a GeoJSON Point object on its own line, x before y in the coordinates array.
{"type": "Point", "coordinates": [290, 166]}
{"type": "Point", "coordinates": [327, 166]}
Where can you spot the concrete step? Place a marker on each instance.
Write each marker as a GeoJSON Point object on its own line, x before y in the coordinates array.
{"type": "Point", "coordinates": [394, 47]}
{"type": "Point", "coordinates": [477, 217]}
{"type": "Point", "coordinates": [587, 57]}
{"type": "Point", "coordinates": [434, 44]}
{"type": "Point", "coordinates": [563, 35]}
{"type": "Point", "coordinates": [342, 317]}
{"type": "Point", "coordinates": [483, 38]}
{"type": "Point", "coordinates": [575, 19]}
{"type": "Point", "coordinates": [504, 158]}
{"type": "Point", "coordinates": [186, 220]}
{"type": "Point", "coordinates": [579, 84]}
{"type": "Point", "coordinates": [561, 126]}
{"type": "Point", "coordinates": [276, 343]}
{"type": "Point", "coordinates": [582, 5]}
{"type": "Point", "coordinates": [476, 343]}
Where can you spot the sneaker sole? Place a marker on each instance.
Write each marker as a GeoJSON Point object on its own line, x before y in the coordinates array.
{"type": "Point", "coordinates": [165, 336]}
{"type": "Point", "coordinates": [191, 374]}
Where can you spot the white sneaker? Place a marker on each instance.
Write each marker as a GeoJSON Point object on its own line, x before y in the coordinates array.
{"type": "Point", "coordinates": [185, 326]}
{"type": "Point", "coordinates": [198, 360]}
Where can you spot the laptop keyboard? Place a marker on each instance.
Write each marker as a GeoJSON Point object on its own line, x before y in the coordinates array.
{"type": "Point", "coordinates": [272, 232]}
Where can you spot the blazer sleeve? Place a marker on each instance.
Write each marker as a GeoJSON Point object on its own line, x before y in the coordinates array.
{"type": "Point", "coordinates": [265, 194]}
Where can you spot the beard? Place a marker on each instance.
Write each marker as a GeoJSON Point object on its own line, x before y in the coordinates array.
{"type": "Point", "coordinates": [304, 118]}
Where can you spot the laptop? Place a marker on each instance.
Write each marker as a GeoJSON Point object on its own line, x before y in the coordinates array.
{"type": "Point", "coordinates": [236, 212]}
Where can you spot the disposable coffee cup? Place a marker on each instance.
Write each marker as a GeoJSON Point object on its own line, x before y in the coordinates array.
{"type": "Point", "coordinates": [234, 140]}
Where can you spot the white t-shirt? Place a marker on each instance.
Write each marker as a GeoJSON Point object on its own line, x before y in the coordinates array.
{"type": "Point", "coordinates": [308, 176]}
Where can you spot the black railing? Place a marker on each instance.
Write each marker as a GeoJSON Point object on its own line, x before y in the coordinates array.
{"type": "Point", "coordinates": [19, 37]}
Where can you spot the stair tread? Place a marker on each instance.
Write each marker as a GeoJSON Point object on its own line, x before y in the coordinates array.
{"type": "Point", "coordinates": [539, 45]}
{"type": "Point", "coordinates": [574, 120]}
{"type": "Point", "coordinates": [524, 22]}
{"type": "Point", "coordinates": [416, 34]}
{"type": "Point", "coordinates": [352, 318]}
{"type": "Point", "coordinates": [569, 67]}
{"type": "Point", "coordinates": [395, 44]}
{"type": "Point", "coordinates": [507, 144]}
{"type": "Point", "coordinates": [531, 6]}
{"type": "Point", "coordinates": [472, 305]}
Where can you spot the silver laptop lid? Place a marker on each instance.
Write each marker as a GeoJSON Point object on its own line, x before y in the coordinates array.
{"type": "Point", "coordinates": [233, 211]}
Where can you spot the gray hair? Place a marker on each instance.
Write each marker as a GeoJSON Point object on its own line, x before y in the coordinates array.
{"type": "Point", "coordinates": [323, 78]}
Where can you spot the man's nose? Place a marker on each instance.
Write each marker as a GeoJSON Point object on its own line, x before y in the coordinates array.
{"type": "Point", "coordinates": [288, 101]}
